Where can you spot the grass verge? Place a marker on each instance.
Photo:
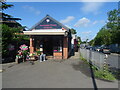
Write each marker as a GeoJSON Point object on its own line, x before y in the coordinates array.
{"type": "Point", "coordinates": [100, 73]}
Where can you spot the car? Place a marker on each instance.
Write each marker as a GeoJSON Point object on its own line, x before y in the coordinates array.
{"type": "Point", "coordinates": [97, 49]}
{"type": "Point", "coordinates": [115, 50]}
{"type": "Point", "coordinates": [89, 47]}
{"type": "Point", "coordinates": [105, 50]}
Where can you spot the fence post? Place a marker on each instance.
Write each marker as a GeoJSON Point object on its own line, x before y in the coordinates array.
{"type": "Point", "coordinates": [90, 56]}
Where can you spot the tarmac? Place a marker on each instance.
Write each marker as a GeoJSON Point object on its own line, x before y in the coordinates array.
{"type": "Point", "coordinates": [70, 73]}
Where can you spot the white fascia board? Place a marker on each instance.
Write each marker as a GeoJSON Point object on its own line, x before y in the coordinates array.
{"type": "Point", "coordinates": [45, 32]}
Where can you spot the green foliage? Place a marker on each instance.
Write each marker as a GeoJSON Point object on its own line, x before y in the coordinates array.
{"type": "Point", "coordinates": [7, 33]}
{"type": "Point", "coordinates": [110, 33]}
{"type": "Point", "coordinates": [107, 37]}
{"type": "Point", "coordinates": [79, 41]}
{"type": "Point", "coordinates": [104, 74]}
{"type": "Point", "coordinates": [9, 36]}
{"type": "Point", "coordinates": [100, 73]}
{"type": "Point", "coordinates": [91, 42]}
{"type": "Point", "coordinates": [38, 52]}
{"type": "Point", "coordinates": [7, 17]}
{"type": "Point", "coordinates": [83, 42]}
{"type": "Point", "coordinates": [5, 6]}
{"type": "Point", "coordinates": [113, 17]}
{"type": "Point", "coordinates": [79, 38]}
{"type": "Point", "coordinates": [9, 30]}
{"type": "Point", "coordinates": [103, 37]}
{"type": "Point", "coordinates": [73, 31]}
{"type": "Point", "coordinates": [25, 52]}
{"type": "Point", "coordinates": [115, 37]}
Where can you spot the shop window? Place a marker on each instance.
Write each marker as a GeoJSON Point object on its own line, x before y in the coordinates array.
{"type": "Point", "coordinates": [57, 46]}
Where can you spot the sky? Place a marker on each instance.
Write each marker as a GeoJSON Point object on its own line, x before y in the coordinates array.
{"type": "Point", "coordinates": [87, 18]}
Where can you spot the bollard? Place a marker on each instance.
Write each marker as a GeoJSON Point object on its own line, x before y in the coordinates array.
{"type": "Point", "coordinates": [105, 67]}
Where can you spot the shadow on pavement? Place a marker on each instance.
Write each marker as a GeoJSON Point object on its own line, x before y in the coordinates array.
{"type": "Point", "coordinates": [8, 60]}
{"type": "Point", "coordinates": [82, 67]}
{"type": "Point", "coordinates": [87, 70]}
{"type": "Point", "coordinates": [93, 77]}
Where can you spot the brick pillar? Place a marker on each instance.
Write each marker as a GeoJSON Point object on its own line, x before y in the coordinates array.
{"type": "Point", "coordinates": [31, 45]}
{"type": "Point", "coordinates": [65, 48]}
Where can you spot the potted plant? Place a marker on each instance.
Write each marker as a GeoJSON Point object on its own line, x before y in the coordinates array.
{"type": "Point", "coordinates": [38, 52]}
{"type": "Point", "coordinates": [19, 56]}
{"type": "Point", "coordinates": [24, 49]}
{"type": "Point", "coordinates": [32, 56]}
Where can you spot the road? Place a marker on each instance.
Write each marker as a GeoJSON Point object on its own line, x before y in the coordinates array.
{"type": "Point", "coordinates": [71, 73]}
{"type": "Point", "coordinates": [114, 60]}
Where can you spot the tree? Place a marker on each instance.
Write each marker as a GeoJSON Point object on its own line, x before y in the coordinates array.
{"type": "Point", "coordinates": [114, 25]}
{"type": "Point", "coordinates": [73, 31]}
{"type": "Point", "coordinates": [110, 33]}
{"type": "Point", "coordinates": [91, 43]}
{"type": "Point", "coordinates": [115, 37]}
{"type": "Point", "coordinates": [10, 30]}
{"type": "Point", "coordinates": [103, 37]}
{"type": "Point", "coordinates": [113, 19]}
{"type": "Point", "coordinates": [7, 36]}
{"type": "Point", "coordinates": [79, 41]}
{"type": "Point", "coordinates": [83, 42]}
{"type": "Point", "coordinates": [79, 38]}
{"type": "Point", "coordinates": [4, 6]}
{"type": "Point", "coordinates": [6, 17]}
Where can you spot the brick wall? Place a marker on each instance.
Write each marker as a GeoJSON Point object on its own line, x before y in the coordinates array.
{"type": "Point", "coordinates": [65, 48]}
{"type": "Point", "coordinates": [57, 55]}
{"type": "Point", "coordinates": [31, 45]}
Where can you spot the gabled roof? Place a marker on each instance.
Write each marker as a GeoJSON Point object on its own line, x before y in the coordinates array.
{"type": "Point", "coordinates": [59, 25]}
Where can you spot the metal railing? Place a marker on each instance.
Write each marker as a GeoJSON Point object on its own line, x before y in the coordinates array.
{"type": "Point", "coordinates": [97, 59]}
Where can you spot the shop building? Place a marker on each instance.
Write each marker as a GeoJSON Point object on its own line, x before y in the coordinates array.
{"type": "Point", "coordinates": [51, 36]}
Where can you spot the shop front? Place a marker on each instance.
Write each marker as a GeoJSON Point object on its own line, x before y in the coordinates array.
{"type": "Point", "coordinates": [51, 37]}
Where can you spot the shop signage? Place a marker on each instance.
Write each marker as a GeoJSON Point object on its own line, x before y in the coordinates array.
{"type": "Point", "coordinates": [48, 24]}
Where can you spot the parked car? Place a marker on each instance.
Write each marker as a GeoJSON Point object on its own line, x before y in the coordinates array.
{"type": "Point", "coordinates": [115, 48]}
{"type": "Point", "coordinates": [97, 49]}
{"type": "Point", "coordinates": [94, 48]}
{"type": "Point", "coordinates": [89, 47]}
{"type": "Point", "coordinates": [105, 50]}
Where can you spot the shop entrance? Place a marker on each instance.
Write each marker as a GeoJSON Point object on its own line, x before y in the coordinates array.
{"type": "Point", "coordinates": [48, 46]}
{"type": "Point", "coordinates": [51, 45]}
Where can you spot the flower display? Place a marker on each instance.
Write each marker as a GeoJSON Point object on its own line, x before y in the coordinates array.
{"type": "Point", "coordinates": [55, 50]}
{"type": "Point", "coordinates": [24, 47]}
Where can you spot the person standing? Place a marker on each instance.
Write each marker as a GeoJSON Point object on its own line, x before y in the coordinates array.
{"type": "Point", "coordinates": [42, 56]}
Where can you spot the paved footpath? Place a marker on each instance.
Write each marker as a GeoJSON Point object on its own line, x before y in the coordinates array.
{"type": "Point", "coordinates": [71, 73]}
